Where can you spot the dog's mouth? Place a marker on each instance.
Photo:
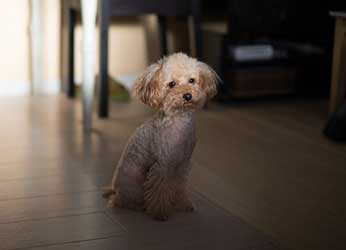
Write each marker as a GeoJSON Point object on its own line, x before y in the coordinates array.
{"type": "Point", "coordinates": [188, 104]}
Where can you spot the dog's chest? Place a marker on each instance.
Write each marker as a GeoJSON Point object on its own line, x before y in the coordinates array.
{"type": "Point", "coordinates": [177, 139]}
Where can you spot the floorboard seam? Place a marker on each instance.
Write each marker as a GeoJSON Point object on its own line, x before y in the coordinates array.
{"type": "Point", "coordinates": [53, 194]}
{"type": "Point", "coordinates": [115, 221]}
{"type": "Point", "coordinates": [68, 242]}
{"type": "Point", "coordinates": [52, 217]}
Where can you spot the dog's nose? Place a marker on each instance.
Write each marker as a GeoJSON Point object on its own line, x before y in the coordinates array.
{"type": "Point", "coordinates": [187, 96]}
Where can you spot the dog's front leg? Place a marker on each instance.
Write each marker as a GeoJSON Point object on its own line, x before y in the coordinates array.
{"type": "Point", "coordinates": [183, 202]}
{"type": "Point", "coordinates": [159, 194]}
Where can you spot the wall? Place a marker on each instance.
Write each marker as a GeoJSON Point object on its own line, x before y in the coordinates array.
{"type": "Point", "coordinates": [127, 47]}
{"type": "Point", "coordinates": [50, 32]}
{"type": "Point", "coordinates": [128, 52]}
{"type": "Point", "coordinates": [14, 47]}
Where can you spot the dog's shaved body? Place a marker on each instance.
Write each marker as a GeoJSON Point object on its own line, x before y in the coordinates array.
{"type": "Point", "coordinates": [155, 164]}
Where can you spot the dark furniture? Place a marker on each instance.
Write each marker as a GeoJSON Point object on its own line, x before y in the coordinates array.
{"type": "Point", "coordinates": [338, 85]}
{"type": "Point", "coordinates": [108, 9]}
{"type": "Point", "coordinates": [301, 33]}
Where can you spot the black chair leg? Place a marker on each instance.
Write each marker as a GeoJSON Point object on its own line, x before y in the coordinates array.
{"type": "Point", "coordinates": [103, 63]}
{"type": "Point", "coordinates": [196, 29]}
{"type": "Point", "coordinates": [163, 34]}
{"type": "Point", "coordinates": [70, 70]}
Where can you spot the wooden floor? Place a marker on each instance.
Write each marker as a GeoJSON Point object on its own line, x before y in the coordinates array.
{"type": "Point", "coordinates": [264, 177]}
{"type": "Point", "coordinates": [50, 179]}
{"type": "Point", "coordinates": [269, 163]}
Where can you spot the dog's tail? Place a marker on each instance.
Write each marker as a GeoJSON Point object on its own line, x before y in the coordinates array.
{"type": "Point", "coordinates": [107, 192]}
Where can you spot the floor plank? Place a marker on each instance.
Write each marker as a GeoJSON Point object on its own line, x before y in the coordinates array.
{"type": "Point", "coordinates": [51, 185]}
{"type": "Point", "coordinates": [57, 230]}
{"type": "Point", "coordinates": [51, 206]}
{"type": "Point", "coordinates": [111, 243]}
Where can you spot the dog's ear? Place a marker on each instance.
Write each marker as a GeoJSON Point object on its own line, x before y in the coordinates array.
{"type": "Point", "coordinates": [208, 79]}
{"type": "Point", "coordinates": [147, 85]}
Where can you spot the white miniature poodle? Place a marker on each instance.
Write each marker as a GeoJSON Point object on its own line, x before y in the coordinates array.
{"type": "Point", "coordinates": [153, 170]}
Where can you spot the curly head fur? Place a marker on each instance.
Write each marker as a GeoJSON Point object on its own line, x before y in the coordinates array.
{"type": "Point", "coordinates": [177, 83]}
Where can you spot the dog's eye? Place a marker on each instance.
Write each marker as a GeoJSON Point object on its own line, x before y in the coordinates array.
{"type": "Point", "coordinates": [192, 80]}
{"type": "Point", "coordinates": [171, 84]}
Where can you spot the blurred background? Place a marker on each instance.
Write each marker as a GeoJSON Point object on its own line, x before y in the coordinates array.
{"type": "Point", "coordinates": [270, 164]}
{"type": "Point", "coordinates": [296, 32]}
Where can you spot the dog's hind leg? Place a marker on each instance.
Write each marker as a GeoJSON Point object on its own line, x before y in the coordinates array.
{"type": "Point", "coordinates": [107, 192]}
{"type": "Point", "coordinates": [128, 186]}
{"type": "Point", "coordinates": [115, 200]}
{"type": "Point", "coordinates": [126, 189]}
{"type": "Point", "coordinates": [123, 198]}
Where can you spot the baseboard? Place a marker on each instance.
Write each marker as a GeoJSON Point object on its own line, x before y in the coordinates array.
{"type": "Point", "coordinates": [14, 88]}
{"type": "Point", "coordinates": [22, 88]}
{"type": "Point", "coordinates": [50, 87]}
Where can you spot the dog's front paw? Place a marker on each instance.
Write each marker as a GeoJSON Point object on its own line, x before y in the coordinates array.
{"type": "Point", "coordinates": [160, 217]}
{"type": "Point", "coordinates": [189, 208]}
{"type": "Point", "coordinates": [107, 192]}
{"type": "Point", "coordinates": [185, 206]}
{"type": "Point", "coordinates": [157, 214]}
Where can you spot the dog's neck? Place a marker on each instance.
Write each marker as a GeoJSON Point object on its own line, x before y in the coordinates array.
{"type": "Point", "coordinates": [187, 117]}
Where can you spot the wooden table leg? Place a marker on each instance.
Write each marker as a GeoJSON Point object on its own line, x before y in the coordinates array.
{"type": "Point", "coordinates": [337, 93]}
{"type": "Point", "coordinates": [89, 9]}
{"type": "Point", "coordinates": [103, 58]}
{"type": "Point", "coordinates": [36, 59]}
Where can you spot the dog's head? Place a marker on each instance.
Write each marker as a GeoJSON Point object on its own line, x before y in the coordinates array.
{"type": "Point", "coordinates": [177, 83]}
